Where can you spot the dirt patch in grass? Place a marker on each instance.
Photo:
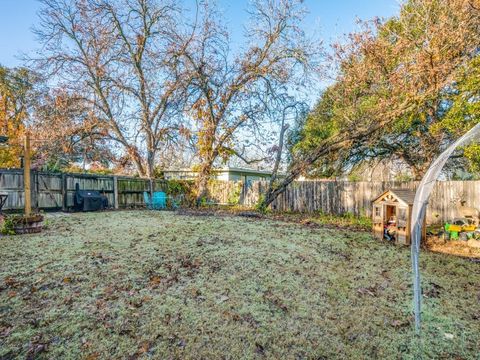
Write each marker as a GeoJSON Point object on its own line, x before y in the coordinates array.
{"type": "Point", "coordinates": [144, 284]}
{"type": "Point", "coordinates": [454, 247]}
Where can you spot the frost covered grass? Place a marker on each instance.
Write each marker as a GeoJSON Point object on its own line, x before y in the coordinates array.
{"type": "Point", "coordinates": [141, 284]}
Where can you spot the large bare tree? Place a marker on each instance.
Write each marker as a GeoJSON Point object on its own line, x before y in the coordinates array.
{"type": "Point", "coordinates": [226, 90]}
{"type": "Point", "coordinates": [118, 54]}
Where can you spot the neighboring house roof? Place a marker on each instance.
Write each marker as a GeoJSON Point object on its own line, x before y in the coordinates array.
{"type": "Point", "coordinates": [226, 169]}
{"type": "Point", "coordinates": [245, 170]}
{"type": "Point", "coordinates": [405, 195]}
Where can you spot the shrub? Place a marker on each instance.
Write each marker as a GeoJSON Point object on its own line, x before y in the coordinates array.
{"type": "Point", "coordinates": [8, 226]}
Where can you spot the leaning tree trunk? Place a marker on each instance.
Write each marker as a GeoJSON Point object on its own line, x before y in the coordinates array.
{"type": "Point", "coordinates": [301, 165]}
{"type": "Point", "coordinates": [297, 169]}
{"type": "Point", "coordinates": [278, 159]}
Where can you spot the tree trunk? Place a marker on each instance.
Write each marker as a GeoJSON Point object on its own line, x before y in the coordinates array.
{"type": "Point", "coordinates": [276, 166]}
{"type": "Point", "coordinates": [273, 193]}
{"type": "Point", "coordinates": [137, 160]}
{"type": "Point", "coordinates": [419, 170]}
{"type": "Point", "coordinates": [150, 164]}
{"type": "Point", "coordinates": [301, 165]}
{"type": "Point", "coordinates": [417, 173]}
{"type": "Point", "coordinates": [202, 182]}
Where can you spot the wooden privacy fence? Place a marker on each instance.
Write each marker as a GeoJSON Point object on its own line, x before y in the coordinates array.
{"type": "Point", "coordinates": [340, 197]}
{"type": "Point", "coordinates": [53, 191]}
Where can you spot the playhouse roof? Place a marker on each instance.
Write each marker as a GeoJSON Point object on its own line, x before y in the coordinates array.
{"type": "Point", "coordinates": [405, 195]}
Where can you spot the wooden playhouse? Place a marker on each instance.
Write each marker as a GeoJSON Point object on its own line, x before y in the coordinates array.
{"type": "Point", "coordinates": [392, 212]}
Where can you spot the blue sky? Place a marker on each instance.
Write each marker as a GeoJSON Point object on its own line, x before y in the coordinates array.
{"type": "Point", "coordinates": [329, 19]}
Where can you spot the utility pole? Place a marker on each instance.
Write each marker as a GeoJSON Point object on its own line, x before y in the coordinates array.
{"type": "Point", "coordinates": [26, 175]}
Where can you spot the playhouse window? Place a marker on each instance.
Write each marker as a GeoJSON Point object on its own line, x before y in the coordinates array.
{"type": "Point", "coordinates": [377, 211]}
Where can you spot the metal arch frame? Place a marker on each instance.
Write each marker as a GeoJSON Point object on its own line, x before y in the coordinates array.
{"type": "Point", "coordinates": [419, 210]}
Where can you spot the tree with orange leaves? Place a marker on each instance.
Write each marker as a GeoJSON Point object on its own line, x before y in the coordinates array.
{"type": "Point", "coordinates": [16, 92]}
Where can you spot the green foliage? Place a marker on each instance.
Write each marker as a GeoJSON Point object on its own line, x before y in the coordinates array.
{"type": "Point", "coordinates": [464, 111]}
{"type": "Point", "coordinates": [354, 177]}
{"type": "Point", "coordinates": [176, 187]}
{"type": "Point", "coordinates": [345, 220]}
{"type": "Point", "coordinates": [234, 196]}
{"type": "Point", "coordinates": [260, 205]}
{"type": "Point", "coordinates": [15, 91]}
{"type": "Point", "coordinates": [319, 126]}
{"type": "Point", "coordinates": [403, 177]}
{"type": "Point", "coordinates": [158, 173]}
{"type": "Point", "coordinates": [46, 224]}
{"type": "Point", "coordinates": [11, 221]}
{"type": "Point", "coordinates": [182, 190]}
{"type": "Point", "coordinates": [420, 97]}
{"type": "Point", "coordinates": [203, 201]}
{"type": "Point", "coordinates": [321, 123]}
{"type": "Point", "coordinates": [79, 170]}
{"type": "Point", "coordinates": [8, 226]}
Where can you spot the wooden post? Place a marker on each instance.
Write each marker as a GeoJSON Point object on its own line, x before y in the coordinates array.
{"type": "Point", "coordinates": [26, 175]}
{"type": "Point", "coordinates": [115, 193]}
{"type": "Point", "coordinates": [64, 192]}
{"type": "Point", "coordinates": [35, 191]}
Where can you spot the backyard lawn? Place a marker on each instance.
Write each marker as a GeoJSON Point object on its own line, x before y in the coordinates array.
{"type": "Point", "coordinates": [142, 284]}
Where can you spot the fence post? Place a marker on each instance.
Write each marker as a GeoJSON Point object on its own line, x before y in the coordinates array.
{"type": "Point", "coordinates": [115, 193]}
{"type": "Point", "coordinates": [27, 174]}
{"type": "Point", "coordinates": [64, 192]}
{"type": "Point", "coordinates": [36, 191]}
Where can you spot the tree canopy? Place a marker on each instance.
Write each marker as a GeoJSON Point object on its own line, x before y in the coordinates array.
{"type": "Point", "coordinates": [416, 75]}
{"type": "Point", "coordinates": [16, 92]}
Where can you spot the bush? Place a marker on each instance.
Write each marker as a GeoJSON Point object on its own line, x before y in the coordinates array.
{"type": "Point", "coordinates": [234, 196]}
{"type": "Point", "coordinates": [13, 222]}
{"type": "Point", "coordinates": [8, 226]}
{"type": "Point", "coordinates": [183, 188]}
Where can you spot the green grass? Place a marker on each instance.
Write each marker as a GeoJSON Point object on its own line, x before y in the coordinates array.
{"type": "Point", "coordinates": [139, 284]}
{"type": "Point", "coordinates": [345, 220]}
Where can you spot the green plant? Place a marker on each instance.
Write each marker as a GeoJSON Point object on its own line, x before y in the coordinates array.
{"type": "Point", "coordinates": [13, 221]}
{"type": "Point", "coordinates": [185, 188]}
{"type": "Point", "coordinates": [8, 226]}
{"type": "Point", "coordinates": [46, 224]}
{"type": "Point", "coordinates": [403, 177]}
{"type": "Point", "coordinates": [175, 187]}
{"type": "Point", "coordinates": [261, 206]}
{"type": "Point", "coordinates": [354, 177]}
{"type": "Point", "coordinates": [234, 196]}
{"type": "Point", "coordinates": [203, 201]}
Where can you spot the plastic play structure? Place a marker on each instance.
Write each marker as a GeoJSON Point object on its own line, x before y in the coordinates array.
{"type": "Point", "coordinates": [419, 210]}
